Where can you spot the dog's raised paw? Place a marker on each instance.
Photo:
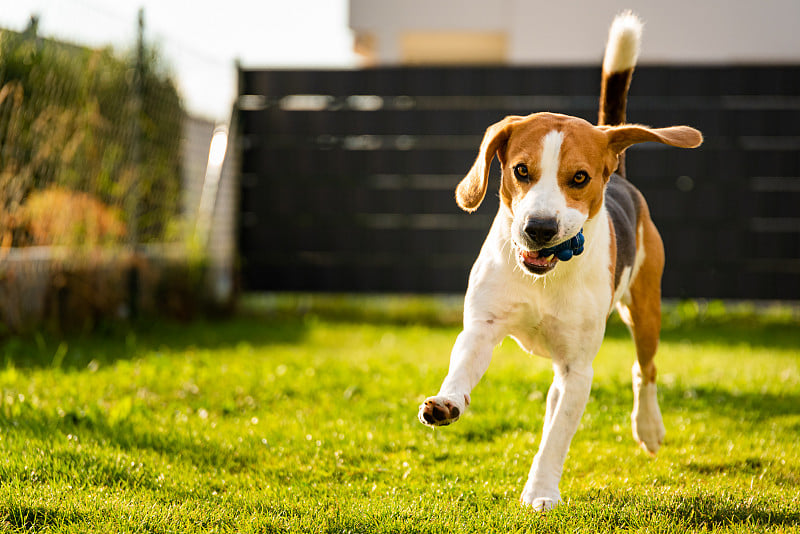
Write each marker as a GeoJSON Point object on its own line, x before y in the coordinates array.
{"type": "Point", "coordinates": [439, 411]}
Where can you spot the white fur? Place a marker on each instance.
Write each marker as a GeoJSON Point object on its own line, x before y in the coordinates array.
{"type": "Point", "coordinates": [622, 290]}
{"type": "Point", "coordinates": [550, 160]}
{"type": "Point", "coordinates": [560, 316]}
{"type": "Point", "coordinates": [624, 39]}
{"type": "Point", "coordinates": [622, 297]}
{"type": "Point", "coordinates": [646, 423]}
{"type": "Point", "coordinates": [546, 198]}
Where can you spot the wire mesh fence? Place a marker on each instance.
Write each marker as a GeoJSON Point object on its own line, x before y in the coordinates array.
{"type": "Point", "coordinates": [95, 219]}
{"type": "Point", "coordinates": [89, 145]}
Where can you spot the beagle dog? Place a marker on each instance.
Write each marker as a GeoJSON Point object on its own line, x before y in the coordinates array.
{"type": "Point", "coordinates": [572, 240]}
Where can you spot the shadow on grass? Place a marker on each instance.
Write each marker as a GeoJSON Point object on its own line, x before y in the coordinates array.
{"type": "Point", "coordinates": [751, 467]}
{"type": "Point", "coordinates": [71, 436]}
{"type": "Point", "coordinates": [35, 518]}
{"type": "Point", "coordinates": [677, 513]}
{"type": "Point", "coordinates": [704, 512]}
{"type": "Point", "coordinates": [688, 321]}
{"type": "Point", "coordinates": [733, 332]}
{"type": "Point", "coordinates": [750, 406]}
{"type": "Point", "coordinates": [261, 321]}
{"type": "Point", "coordinates": [285, 319]}
{"type": "Point", "coordinates": [123, 342]}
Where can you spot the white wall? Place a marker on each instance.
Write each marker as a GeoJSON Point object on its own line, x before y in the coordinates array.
{"type": "Point", "coordinates": [573, 32]}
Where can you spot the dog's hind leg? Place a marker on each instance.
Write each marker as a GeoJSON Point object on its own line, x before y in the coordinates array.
{"type": "Point", "coordinates": [642, 313]}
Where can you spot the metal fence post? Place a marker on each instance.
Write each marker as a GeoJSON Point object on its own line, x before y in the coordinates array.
{"type": "Point", "coordinates": [136, 157]}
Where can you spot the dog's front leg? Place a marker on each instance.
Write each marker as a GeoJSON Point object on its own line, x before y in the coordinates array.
{"type": "Point", "coordinates": [469, 359]}
{"type": "Point", "coordinates": [566, 402]}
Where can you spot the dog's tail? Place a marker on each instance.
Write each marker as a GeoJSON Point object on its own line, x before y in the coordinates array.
{"type": "Point", "coordinates": [622, 51]}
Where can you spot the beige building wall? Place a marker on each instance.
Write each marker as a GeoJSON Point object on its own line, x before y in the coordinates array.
{"type": "Point", "coordinates": [526, 32]}
{"type": "Point", "coordinates": [452, 47]}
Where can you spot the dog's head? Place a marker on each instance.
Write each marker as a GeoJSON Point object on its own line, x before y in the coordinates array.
{"type": "Point", "coordinates": [554, 172]}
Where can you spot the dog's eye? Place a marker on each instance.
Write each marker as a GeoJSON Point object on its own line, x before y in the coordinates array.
{"type": "Point", "coordinates": [580, 179]}
{"type": "Point", "coordinates": [521, 172]}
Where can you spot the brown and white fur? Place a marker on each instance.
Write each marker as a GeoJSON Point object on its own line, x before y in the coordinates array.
{"type": "Point", "coordinates": [561, 174]}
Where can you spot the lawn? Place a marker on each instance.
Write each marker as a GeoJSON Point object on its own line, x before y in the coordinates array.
{"type": "Point", "coordinates": [300, 416]}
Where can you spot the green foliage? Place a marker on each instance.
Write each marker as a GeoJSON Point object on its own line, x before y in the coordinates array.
{"type": "Point", "coordinates": [306, 422]}
{"type": "Point", "coordinates": [68, 118]}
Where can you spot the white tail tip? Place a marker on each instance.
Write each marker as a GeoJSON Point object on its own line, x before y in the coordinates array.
{"type": "Point", "coordinates": [624, 38]}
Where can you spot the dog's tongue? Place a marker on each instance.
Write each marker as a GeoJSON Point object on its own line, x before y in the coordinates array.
{"type": "Point", "coordinates": [533, 258]}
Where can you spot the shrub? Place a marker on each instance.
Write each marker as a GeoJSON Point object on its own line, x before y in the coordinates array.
{"type": "Point", "coordinates": [60, 217]}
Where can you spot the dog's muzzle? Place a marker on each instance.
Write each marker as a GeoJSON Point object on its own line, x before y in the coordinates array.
{"type": "Point", "coordinates": [543, 260]}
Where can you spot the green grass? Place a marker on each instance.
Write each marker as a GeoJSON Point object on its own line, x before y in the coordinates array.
{"type": "Point", "coordinates": [301, 416]}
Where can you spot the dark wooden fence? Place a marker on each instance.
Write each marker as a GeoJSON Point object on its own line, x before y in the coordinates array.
{"type": "Point", "coordinates": [348, 176]}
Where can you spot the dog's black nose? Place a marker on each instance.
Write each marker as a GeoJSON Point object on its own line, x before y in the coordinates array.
{"type": "Point", "coordinates": [541, 230]}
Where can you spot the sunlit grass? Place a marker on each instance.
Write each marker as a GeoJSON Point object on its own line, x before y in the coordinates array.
{"type": "Point", "coordinates": [292, 419]}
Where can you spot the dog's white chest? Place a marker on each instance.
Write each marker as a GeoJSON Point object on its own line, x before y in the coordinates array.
{"type": "Point", "coordinates": [560, 323]}
{"type": "Point", "coordinates": [551, 316]}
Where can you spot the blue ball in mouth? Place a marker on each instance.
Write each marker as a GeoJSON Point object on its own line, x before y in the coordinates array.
{"type": "Point", "coordinates": [566, 250]}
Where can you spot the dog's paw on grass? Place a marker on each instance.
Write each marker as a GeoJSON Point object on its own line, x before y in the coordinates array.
{"type": "Point", "coordinates": [441, 411]}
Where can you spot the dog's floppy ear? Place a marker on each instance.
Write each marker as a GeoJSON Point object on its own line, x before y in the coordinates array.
{"type": "Point", "coordinates": [472, 188]}
{"type": "Point", "coordinates": [621, 137]}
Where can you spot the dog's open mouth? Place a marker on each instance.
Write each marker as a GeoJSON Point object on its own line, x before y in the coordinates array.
{"type": "Point", "coordinates": [535, 262]}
